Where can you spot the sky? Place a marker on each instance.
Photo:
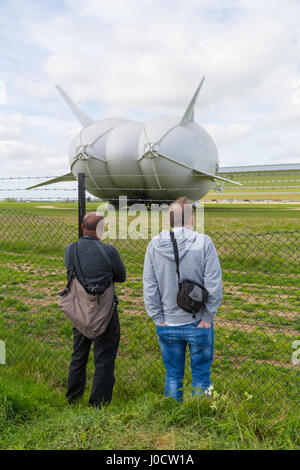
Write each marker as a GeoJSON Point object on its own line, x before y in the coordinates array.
{"type": "Point", "coordinates": [141, 59]}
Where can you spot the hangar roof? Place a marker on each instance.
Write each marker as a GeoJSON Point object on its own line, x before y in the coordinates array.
{"type": "Point", "coordinates": [249, 168]}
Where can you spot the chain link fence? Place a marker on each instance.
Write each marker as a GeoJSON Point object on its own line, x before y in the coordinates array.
{"type": "Point", "coordinates": [256, 329]}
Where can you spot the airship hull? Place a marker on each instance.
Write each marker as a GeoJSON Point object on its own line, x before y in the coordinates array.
{"type": "Point", "coordinates": [155, 161]}
{"type": "Point", "coordinates": [99, 185]}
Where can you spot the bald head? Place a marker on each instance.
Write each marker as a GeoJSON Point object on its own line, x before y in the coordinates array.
{"type": "Point", "coordinates": [93, 224]}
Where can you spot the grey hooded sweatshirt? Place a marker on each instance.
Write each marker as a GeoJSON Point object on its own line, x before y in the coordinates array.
{"type": "Point", "coordinates": [198, 262]}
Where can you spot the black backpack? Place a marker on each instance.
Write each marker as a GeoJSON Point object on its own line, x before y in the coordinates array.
{"type": "Point", "coordinates": [191, 296]}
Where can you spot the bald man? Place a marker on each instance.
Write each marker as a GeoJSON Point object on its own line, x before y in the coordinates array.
{"type": "Point", "coordinates": [100, 267]}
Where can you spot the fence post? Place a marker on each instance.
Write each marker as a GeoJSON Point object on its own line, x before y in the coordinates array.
{"type": "Point", "coordinates": [81, 202]}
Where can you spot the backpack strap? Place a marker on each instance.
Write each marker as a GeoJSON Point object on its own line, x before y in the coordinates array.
{"type": "Point", "coordinates": [175, 248]}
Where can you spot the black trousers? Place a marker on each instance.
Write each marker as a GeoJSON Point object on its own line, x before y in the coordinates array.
{"type": "Point", "coordinates": [105, 351]}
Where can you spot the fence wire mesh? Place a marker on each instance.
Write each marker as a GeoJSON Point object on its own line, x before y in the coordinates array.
{"type": "Point", "coordinates": [256, 328]}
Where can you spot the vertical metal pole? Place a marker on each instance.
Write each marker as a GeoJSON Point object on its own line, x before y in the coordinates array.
{"type": "Point", "coordinates": [81, 202]}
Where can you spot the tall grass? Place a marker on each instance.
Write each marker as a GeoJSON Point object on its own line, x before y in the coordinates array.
{"type": "Point", "coordinates": [35, 417]}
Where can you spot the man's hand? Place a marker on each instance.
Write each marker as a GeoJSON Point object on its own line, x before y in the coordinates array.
{"type": "Point", "coordinates": [162, 324]}
{"type": "Point", "coordinates": [203, 324]}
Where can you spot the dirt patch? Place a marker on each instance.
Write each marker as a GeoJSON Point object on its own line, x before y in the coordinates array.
{"type": "Point", "coordinates": [165, 441]}
{"type": "Point", "coordinates": [257, 271]}
{"type": "Point", "coordinates": [249, 328]}
{"type": "Point", "coordinates": [238, 359]}
{"type": "Point", "coordinates": [260, 297]}
{"type": "Point", "coordinates": [54, 207]}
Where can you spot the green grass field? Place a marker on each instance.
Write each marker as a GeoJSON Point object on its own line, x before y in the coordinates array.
{"type": "Point", "coordinates": [256, 399]}
{"type": "Point", "coordinates": [226, 217]}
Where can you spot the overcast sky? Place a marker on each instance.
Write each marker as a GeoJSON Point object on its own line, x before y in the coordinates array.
{"type": "Point", "coordinates": [144, 58]}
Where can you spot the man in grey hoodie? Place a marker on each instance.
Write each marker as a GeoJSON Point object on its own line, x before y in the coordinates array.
{"type": "Point", "coordinates": [176, 328]}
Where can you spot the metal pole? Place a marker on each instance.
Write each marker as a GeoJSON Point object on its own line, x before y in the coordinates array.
{"type": "Point", "coordinates": [81, 202]}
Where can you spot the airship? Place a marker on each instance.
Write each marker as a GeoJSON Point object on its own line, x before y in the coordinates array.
{"type": "Point", "coordinates": [155, 161]}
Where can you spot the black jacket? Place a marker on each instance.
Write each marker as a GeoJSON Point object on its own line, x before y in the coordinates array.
{"type": "Point", "coordinates": [94, 265]}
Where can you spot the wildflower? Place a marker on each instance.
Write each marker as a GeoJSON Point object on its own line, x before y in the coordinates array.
{"type": "Point", "coordinates": [209, 390]}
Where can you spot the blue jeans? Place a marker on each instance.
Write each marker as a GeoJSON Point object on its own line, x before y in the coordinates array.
{"type": "Point", "coordinates": [173, 341]}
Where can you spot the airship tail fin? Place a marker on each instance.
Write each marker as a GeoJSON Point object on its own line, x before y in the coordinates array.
{"type": "Point", "coordinates": [80, 116]}
{"type": "Point", "coordinates": [189, 114]}
{"type": "Point", "coordinates": [66, 177]}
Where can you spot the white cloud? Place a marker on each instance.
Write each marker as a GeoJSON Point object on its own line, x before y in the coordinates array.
{"type": "Point", "coordinates": [154, 55]}
{"type": "Point", "coordinates": [33, 85]}
{"type": "Point", "coordinates": [33, 159]}
{"type": "Point", "coordinates": [11, 126]}
{"type": "Point", "coordinates": [2, 92]}
{"type": "Point", "coordinates": [226, 134]}
{"type": "Point", "coordinates": [144, 58]}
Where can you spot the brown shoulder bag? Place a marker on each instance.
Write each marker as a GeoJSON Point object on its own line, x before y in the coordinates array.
{"type": "Point", "coordinates": [89, 313]}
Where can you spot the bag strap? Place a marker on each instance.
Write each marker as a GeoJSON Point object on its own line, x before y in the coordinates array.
{"type": "Point", "coordinates": [70, 270]}
{"type": "Point", "coordinates": [175, 248]}
{"type": "Point", "coordinates": [85, 284]}
{"type": "Point", "coordinates": [80, 269]}
{"type": "Point", "coordinates": [74, 252]}
{"type": "Point", "coordinates": [104, 253]}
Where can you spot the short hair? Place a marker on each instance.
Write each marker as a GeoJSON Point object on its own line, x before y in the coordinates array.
{"type": "Point", "coordinates": [91, 220]}
{"type": "Point", "coordinates": [180, 212]}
